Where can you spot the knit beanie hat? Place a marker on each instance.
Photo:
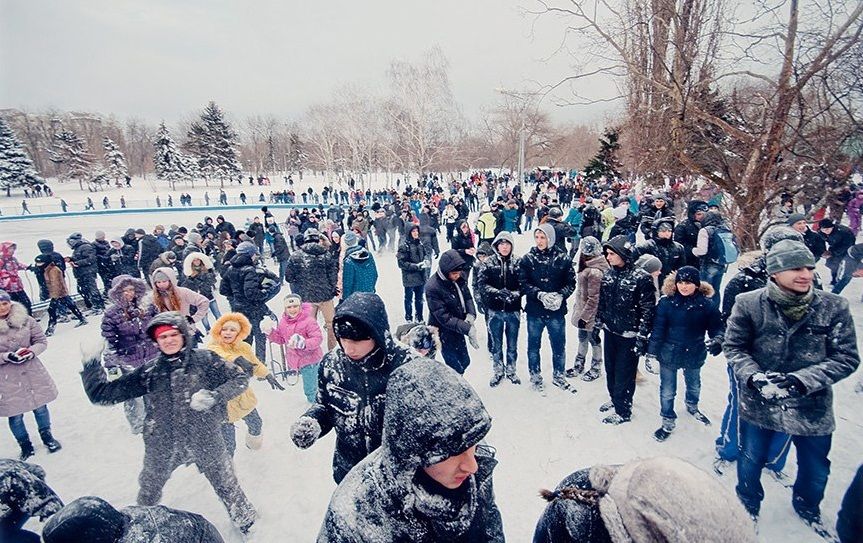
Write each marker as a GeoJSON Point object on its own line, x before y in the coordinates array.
{"type": "Point", "coordinates": [350, 239]}
{"type": "Point", "coordinates": [778, 233]}
{"type": "Point", "coordinates": [688, 274]}
{"type": "Point", "coordinates": [193, 237]}
{"type": "Point", "coordinates": [484, 249]}
{"type": "Point", "coordinates": [100, 234]}
{"type": "Point", "coordinates": [648, 263]}
{"type": "Point", "coordinates": [789, 255]}
{"type": "Point", "coordinates": [4, 296]}
{"type": "Point", "coordinates": [140, 231]}
{"type": "Point", "coordinates": [794, 218]}
{"type": "Point", "coordinates": [247, 248]}
{"type": "Point", "coordinates": [826, 223]}
{"type": "Point", "coordinates": [292, 300]}
{"type": "Point", "coordinates": [590, 246]}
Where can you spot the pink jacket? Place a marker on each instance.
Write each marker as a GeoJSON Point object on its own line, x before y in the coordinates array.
{"type": "Point", "coordinates": [305, 325]}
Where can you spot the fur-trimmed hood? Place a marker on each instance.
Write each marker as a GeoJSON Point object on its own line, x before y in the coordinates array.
{"type": "Point", "coordinates": [415, 334]}
{"type": "Point", "coordinates": [187, 262]}
{"type": "Point", "coordinates": [17, 318]}
{"type": "Point", "coordinates": [669, 287]}
{"type": "Point", "coordinates": [119, 283]}
{"type": "Point", "coordinates": [245, 326]}
{"type": "Point", "coordinates": [171, 273]}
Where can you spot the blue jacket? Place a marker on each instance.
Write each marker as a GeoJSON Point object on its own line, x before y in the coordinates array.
{"type": "Point", "coordinates": [359, 272]}
{"type": "Point", "coordinates": [679, 326]}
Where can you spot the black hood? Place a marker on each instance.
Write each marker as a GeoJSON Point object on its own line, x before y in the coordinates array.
{"type": "Point", "coordinates": [450, 261]}
{"type": "Point", "coordinates": [620, 245]}
{"type": "Point", "coordinates": [24, 493]}
{"type": "Point", "coordinates": [241, 261]}
{"type": "Point", "coordinates": [313, 248]}
{"type": "Point", "coordinates": [711, 218]}
{"type": "Point", "coordinates": [694, 206]}
{"type": "Point", "coordinates": [46, 246]}
{"type": "Point", "coordinates": [369, 309]}
{"type": "Point", "coordinates": [174, 318]}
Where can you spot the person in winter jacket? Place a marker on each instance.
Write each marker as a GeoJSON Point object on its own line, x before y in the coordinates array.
{"type": "Point", "coordinates": [281, 253]}
{"type": "Point", "coordinates": [359, 271]}
{"type": "Point", "coordinates": [547, 279]}
{"type": "Point", "coordinates": [10, 281]}
{"type": "Point", "coordinates": [749, 278]}
{"type": "Point", "coordinates": [839, 239]}
{"type": "Point", "coordinates": [686, 233]}
{"type": "Point", "coordinates": [711, 270]}
{"type": "Point", "coordinates": [168, 259]}
{"type": "Point", "coordinates": [185, 391]}
{"type": "Point", "coordinates": [486, 224]}
{"type": "Point", "coordinates": [94, 520]}
{"type": "Point", "coordinates": [169, 296]}
{"type": "Point", "coordinates": [483, 252]}
{"type": "Point", "coordinates": [46, 247]}
{"type": "Point", "coordinates": [463, 241]}
{"type": "Point", "coordinates": [420, 337]}
{"type": "Point", "coordinates": [313, 274]}
{"type": "Point", "coordinates": [298, 331]}
{"type": "Point", "coordinates": [684, 314]}
{"type": "Point", "coordinates": [198, 276]}
{"type": "Point", "coordinates": [660, 245]}
{"type": "Point", "coordinates": [451, 310]}
{"type": "Point", "coordinates": [813, 240]}
{"type": "Point", "coordinates": [24, 494]}
{"type": "Point", "coordinates": [57, 292]}
{"type": "Point", "coordinates": [148, 251]}
{"type": "Point", "coordinates": [433, 483]}
{"type": "Point", "coordinates": [247, 286]}
{"type": "Point", "coordinates": [651, 213]}
{"type": "Point", "coordinates": [788, 344]}
{"type": "Point", "coordinates": [25, 384]}
{"type": "Point", "coordinates": [498, 287]}
{"type": "Point", "coordinates": [627, 302]}
{"type": "Point", "coordinates": [414, 260]}
{"type": "Point", "coordinates": [107, 271]}
{"type": "Point", "coordinates": [224, 226]}
{"type": "Point", "coordinates": [352, 381]}
{"type": "Point", "coordinates": [226, 340]}
{"type": "Point", "coordinates": [562, 230]}
{"type": "Point", "coordinates": [591, 267]}
{"type": "Point", "coordinates": [125, 256]}
{"type": "Point", "coordinates": [653, 500]}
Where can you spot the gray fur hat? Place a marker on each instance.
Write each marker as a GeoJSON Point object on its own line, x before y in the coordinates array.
{"type": "Point", "coordinates": [648, 263]}
{"type": "Point", "coordinates": [590, 246]}
{"type": "Point", "coordinates": [789, 255]}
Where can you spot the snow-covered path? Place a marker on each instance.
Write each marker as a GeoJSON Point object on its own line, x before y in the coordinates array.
{"type": "Point", "coordinates": [538, 439]}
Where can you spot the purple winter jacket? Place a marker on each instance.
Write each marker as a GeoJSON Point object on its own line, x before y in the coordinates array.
{"type": "Point", "coordinates": [124, 325]}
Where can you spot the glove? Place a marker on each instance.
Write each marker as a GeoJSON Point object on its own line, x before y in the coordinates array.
{"type": "Point", "coordinates": [651, 363]}
{"type": "Point", "coordinates": [297, 342]}
{"type": "Point", "coordinates": [190, 320]}
{"type": "Point", "coordinates": [115, 258]}
{"type": "Point", "coordinates": [758, 381]}
{"type": "Point", "coordinates": [714, 346]}
{"type": "Point", "coordinates": [13, 358]}
{"type": "Point", "coordinates": [202, 400]}
{"type": "Point", "coordinates": [471, 337]}
{"type": "Point", "coordinates": [787, 382]}
{"type": "Point", "coordinates": [422, 265]}
{"type": "Point", "coordinates": [305, 432]}
{"type": "Point", "coordinates": [267, 326]}
{"type": "Point", "coordinates": [640, 345]}
{"type": "Point", "coordinates": [114, 373]}
{"type": "Point", "coordinates": [470, 318]}
{"type": "Point", "coordinates": [594, 336]}
{"type": "Point", "coordinates": [267, 283]}
{"type": "Point", "coordinates": [270, 378]}
{"type": "Point", "coordinates": [512, 296]}
{"type": "Point", "coordinates": [546, 299]}
{"type": "Point", "coordinates": [25, 354]}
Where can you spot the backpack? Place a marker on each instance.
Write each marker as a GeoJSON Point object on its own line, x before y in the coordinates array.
{"type": "Point", "coordinates": [723, 246]}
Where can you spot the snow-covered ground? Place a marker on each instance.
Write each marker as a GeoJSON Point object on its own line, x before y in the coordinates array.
{"type": "Point", "coordinates": [539, 440]}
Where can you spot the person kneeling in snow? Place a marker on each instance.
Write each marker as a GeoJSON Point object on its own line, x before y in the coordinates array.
{"type": "Point", "coordinates": [185, 391]}
{"type": "Point", "coordinates": [432, 483]}
{"type": "Point", "coordinates": [94, 520]}
{"type": "Point", "coordinates": [657, 500]}
{"type": "Point", "coordinates": [352, 380]}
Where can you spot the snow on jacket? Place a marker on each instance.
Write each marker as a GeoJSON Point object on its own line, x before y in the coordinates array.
{"type": "Point", "coordinates": [680, 324]}
{"type": "Point", "coordinates": [187, 297]}
{"type": "Point", "coordinates": [24, 494]}
{"type": "Point", "coordinates": [386, 499]}
{"type": "Point", "coordinates": [839, 241]}
{"type": "Point", "coordinates": [497, 279]}
{"type": "Point", "coordinates": [668, 251]}
{"type": "Point", "coordinates": [351, 393]}
{"type": "Point", "coordinates": [313, 273]}
{"type": "Point", "coordinates": [747, 279]}
{"type": "Point", "coordinates": [587, 291]}
{"type": "Point", "coordinates": [166, 260]}
{"type": "Point", "coordinates": [202, 283]}
{"type": "Point", "coordinates": [359, 271]}
{"type": "Point", "coordinates": [627, 301]}
{"type": "Point", "coordinates": [124, 325]}
{"type": "Point", "coordinates": [449, 302]}
{"type": "Point", "coordinates": [26, 386]}
{"type": "Point", "coordinates": [686, 233]}
{"type": "Point", "coordinates": [410, 253]}
{"type": "Point", "coordinates": [242, 404]}
{"type": "Point", "coordinates": [820, 349]}
{"type": "Point", "coordinates": [549, 270]}
{"type": "Point", "coordinates": [241, 285]}
{"type": "Point", "coordinates": [10, 281]}
{"type": "Point", "coordinates": [84, 259]}
{"type": "Point", "coordinates": [173, 431]}
{"type": "Point", "coordinates": [306, 326]}
{"type": "Point", "coordinates": [462, 242]}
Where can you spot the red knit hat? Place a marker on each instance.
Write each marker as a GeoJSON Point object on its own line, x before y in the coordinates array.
{"type": "Point", "coordinates": [161, 329]}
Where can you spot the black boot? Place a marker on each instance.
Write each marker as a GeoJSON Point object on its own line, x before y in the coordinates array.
{"type": "Point", "coordinates": [26, 449]}
{"type": "Point", "coordinates": [50, 330]}
{"type": "Point", "coordinates": [49, 441]}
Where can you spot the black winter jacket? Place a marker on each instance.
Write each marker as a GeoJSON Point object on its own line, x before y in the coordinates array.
{"type": "Point", "coordinates": [462, 242]}
{"type": "Point", "coordinates": [449, 302]}
{"type": "Point", "coordinates": [627, 301]}
{"type": "Point", "coordinates": [497, 283]}
{"type": "Point", "coordinates": [84, 259]}
{"type": "Point", "coordinates": [280, 247]}
{"type": "Point", "coordinates": [839, 241]}
{"type": "Point", "coordinates": [550, 270]}
{"type": "Point", "coordinates": [750, 278]}
{"type": "Point", "coordinates": [313, 273]}
{"type": "Point", "coordinates": [410, 253]}
{"type": "Point", "coordinates": [241, 285]}
{"type": "Point", "coordinates": [668, 251]}
{"type": "Point", "coordinates": [148, 251]}
{"type": "Point", "coordinates": [686, 233]}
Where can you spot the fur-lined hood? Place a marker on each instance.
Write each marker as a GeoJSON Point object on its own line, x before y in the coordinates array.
{"type": "Point", "coordinates": [245, 326]}
{"type": "Point", "coordinates": [119, 283]}
{"type": "Point", "coordinates": [170, 273]}
{"type": "Point", "coordinates": [17, 318]}
{"type": "Point", "coordinates": [669, 288]}
{"type": "Point", "coordinates": [413, 334]}
{"type": "Point", "coordinates": [187, 262]}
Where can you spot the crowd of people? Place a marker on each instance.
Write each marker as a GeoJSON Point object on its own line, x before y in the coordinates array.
{"type": "Point", "coordinates": [636, 283]}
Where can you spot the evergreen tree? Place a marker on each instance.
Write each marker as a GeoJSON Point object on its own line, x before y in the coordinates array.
{"type": "Point", "coordinates": [270, 165]}
{"type": "Point", "coordinates": [214, 142]}
{"type": "Point", "coordinates": [16, 168]}
{"type": "Point", "coordinates": [71, 151]}
{"type": "Point", "coordinates": [171, 165]}
{"type": "Point", "coordinates": [605, 163]}
{"type": "Point", "coordinates": [296, 154]}
{"type": "Point", "coordinates": [115, 161]}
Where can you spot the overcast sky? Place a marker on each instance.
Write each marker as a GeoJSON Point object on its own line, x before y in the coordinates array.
{"type": "Point", "coordinates": [164, 59]}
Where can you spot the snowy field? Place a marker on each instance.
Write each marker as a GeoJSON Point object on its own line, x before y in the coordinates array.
{"type": "Point", "coordinates": [539, 440]}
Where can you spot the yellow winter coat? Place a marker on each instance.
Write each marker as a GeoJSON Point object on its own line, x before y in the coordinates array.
{"type": "Point", "coordinates": [243, 404]}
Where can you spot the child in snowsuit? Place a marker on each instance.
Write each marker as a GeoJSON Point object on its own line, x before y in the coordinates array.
{"type": "Point", "coordinates": [301, 335]}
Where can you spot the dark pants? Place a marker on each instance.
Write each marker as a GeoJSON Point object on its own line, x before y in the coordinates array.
{"type": "Point", "coordinates": [556, 326]}
{"type": "Point", "coordinates": [712, 274]}
{"type": "Point", "coordinates": [500, 323]}
{"type": "Point", "coordinates": [454, 351]}
{"type": "Point", "coordinates": [414, 297]}
{"type": "Point", "coordinates": [253, 422]}
{"type": "Point", "coordinates": [843, 274]}
{"type": "Point", "coordinates": [90, 292]}
{"type": "Point", "coordinates": [65, 302]}
{"type": "Point", "coordinates": [22, 298]}
{"type": "Point", "coordinates": [260, 339]}
{"type": "Point", "coordinates": [621, 363]}
{"type": "Point", "coordinates": [813, 468]}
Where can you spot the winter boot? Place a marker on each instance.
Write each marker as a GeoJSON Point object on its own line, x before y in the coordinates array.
{"type": "Point", "coordinates": [577, 368]}
{"type": "Point", "coordinates": [536, 382]}
{"type": "Point", "coordinates": [614, 419]}
{"type": "Point", "coordinates": [664, 431]}
{"type": "Point", "coordinates": [698, 415]}
{"type": "Point", "coordinates": [607, 406]}
{"type": "Point", "coordinates": [495, 379]}
{"type": "Point", "coordinates": [254, 442]}
{"type": "Point", "coordinates": [49, 441]}
{"type": "Point", "coordinates": [26, 449]}
{"type": "Point", "coordinates": [81, 322]}
{"type": "Point", "coordinates": [593, 373]}
{"type": "Point", "coordinates": [50, 330]}
{"type": "Point", "coordinates": [559, 381]}
{"type": "Point", "coordinates": [513, 378]}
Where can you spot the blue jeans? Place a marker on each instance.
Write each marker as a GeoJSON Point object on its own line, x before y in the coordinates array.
{"type": "Point", "coordinates": [528, 223]}
{"type": "Point", "coordinates": [214, 311]}
{"type": "Point", "coordinates": [843, 274]}
{"type": "Point", "coordinates": [500, 322]}
{"type": "Point", "coordinates": [19, 430]}
{"type": "Point", "coordinates": [310, 381]}
{"type": "Point", "coordinates": [414, 296]}
{"type": "Point", "coordinates": [283, 268]}
{"type": "Point", "coordinates": [253, 422]}
{"type": "Point", "coordinates": [668, 389]}
{"type": "Point", "coordinates": [556, 326]}
{"type": "Point", "coordinates": [813, 468]}
{"type": "Point", "coordinates": [727, 446]}
{"type": "Point", "coordinates": [712, 274]}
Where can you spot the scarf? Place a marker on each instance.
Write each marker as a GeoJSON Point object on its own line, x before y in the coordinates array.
{"type": "Point", "coordinates": [793, 306]}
